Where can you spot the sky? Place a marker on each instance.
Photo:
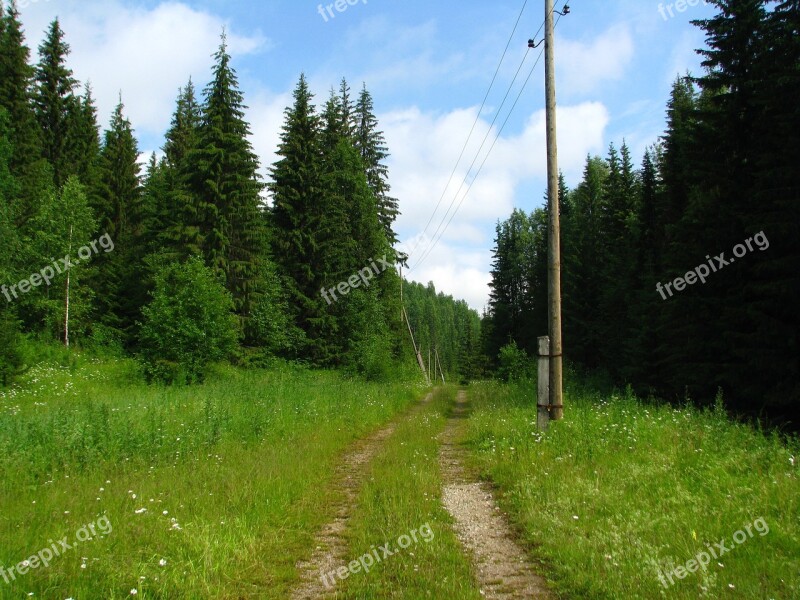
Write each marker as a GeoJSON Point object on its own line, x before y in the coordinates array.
{"type": "Point", "coordinates": [428, 66]}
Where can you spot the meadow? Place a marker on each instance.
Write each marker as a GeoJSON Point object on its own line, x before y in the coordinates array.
{"type": "Point", "coordinates": [209, 491]}
{"type": "Point", "coordinates": [218, 490]}
{"type": "Point", "coordinates": [622, 493]}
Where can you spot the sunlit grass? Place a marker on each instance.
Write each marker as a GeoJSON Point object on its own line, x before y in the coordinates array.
{"type": "Point", "coordinates": [618, 487]}
{"type": "Point", "coordinates": [212, 491]}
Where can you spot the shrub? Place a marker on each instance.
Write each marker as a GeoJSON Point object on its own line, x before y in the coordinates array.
{"type": "Point", "coordinates": [188, 324]}
{"type": "Point", "coordinates": [514, 363]}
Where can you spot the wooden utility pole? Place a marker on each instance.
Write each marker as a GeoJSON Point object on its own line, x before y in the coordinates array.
{"type": "Point", "coordinates": [554, 248]}
{"type": "Point", "coordinates": [416, 351]}
{"type": "Point", "coordinates": [66, 295]}
{"type": "Point", "coordinates": [439, 362]}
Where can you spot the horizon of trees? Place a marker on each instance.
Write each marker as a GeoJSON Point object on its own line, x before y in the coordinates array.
{"type": "Point", "coordinates": [725, 170]}
{"type": "Point", "coordinates": [63, 183]}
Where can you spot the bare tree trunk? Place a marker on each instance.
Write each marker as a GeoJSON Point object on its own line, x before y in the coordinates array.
{"type": "Point", "coordinates": [66, 311]}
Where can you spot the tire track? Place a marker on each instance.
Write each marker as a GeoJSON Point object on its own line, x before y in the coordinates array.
{"type": "Point", "coordinates": [501, 565]}
{"type": "Point", "coordinates": [331, 546]}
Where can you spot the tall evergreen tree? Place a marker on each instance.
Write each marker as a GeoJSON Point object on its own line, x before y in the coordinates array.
{"type": "Point", "coordinates": [583, 265]}
{"type": "Point", "coordinates": [9, 355]}
{"type": "Point", "coordinates": [120, 295]}
{"type": "Point", "coordinates": [176, 208]}
{"type": "Point", "coordinates": [772, 287]}
{"type": "Point", "coordinates": [84, 141]}
{"type": "Point", "coordinates": [371, 143]}
{"type": "Point", "coordinates": [226, 187]}
{"type": "Point", "coordinates": [55, 102]}
{"type": "Point", "coordinates": [296, 190]}
{"type": "Point", "coordinates": [16, 77]}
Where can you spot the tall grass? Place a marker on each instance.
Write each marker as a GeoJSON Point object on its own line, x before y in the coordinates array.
{"type": "Point", "coordinates": [212, 491]}
{"type": "Point", "coordinates": [620, 490]}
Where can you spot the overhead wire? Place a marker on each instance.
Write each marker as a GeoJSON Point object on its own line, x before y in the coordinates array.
{"type": "Point", "coordinates": [435, 240]}
{"type": "Point", "coordinates": [474, 124]}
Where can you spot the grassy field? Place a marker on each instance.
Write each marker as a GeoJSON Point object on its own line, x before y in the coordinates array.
{"type": "Point", "coordinates": [213, 491]}
{"type": "Point", "coordinates": [620, 494]}
{"type": "Point", "coordinates": [216, 491]}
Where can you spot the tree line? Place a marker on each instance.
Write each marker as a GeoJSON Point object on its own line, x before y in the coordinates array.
{"type": "Point", "coordinates": [209, 260]}
{"type": "Point", "coordinates": [723, 178]}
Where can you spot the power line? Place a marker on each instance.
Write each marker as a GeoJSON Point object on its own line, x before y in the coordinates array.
{"type": "Point", "coordinates": [483, 143]}
{"type": "Point", "coordinates": [435, 240]}
{"type": "Point", "coordinates": [478, 172]}
{"type": "Point", "coordinates": [474, 124]}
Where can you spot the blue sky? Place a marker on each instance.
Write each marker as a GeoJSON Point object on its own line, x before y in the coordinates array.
{"type": "Point", "coordinates": [428, 66]}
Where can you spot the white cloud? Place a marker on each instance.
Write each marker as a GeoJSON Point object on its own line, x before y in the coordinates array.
{"type": "Point", "coordinates": [425, 148]}
{"type": "Point", "coordinates": [584, 66]}
{"type": "Point", "coordinates": [144, 54]}
{"type": "Point", "coordinates": [266, 117]}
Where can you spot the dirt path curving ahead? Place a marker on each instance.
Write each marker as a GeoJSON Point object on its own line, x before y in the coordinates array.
{"type": "Point", "coordinates": [331, 548]}
{"type": "Point", "coordinates": [502, 567]}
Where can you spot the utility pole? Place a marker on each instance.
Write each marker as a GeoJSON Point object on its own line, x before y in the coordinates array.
{"type": "Point", "coordinates": [439, 362]}
{"type": "Point", "coordinates": [417, 352]}
{"type": "Point", "coordinates": [554, 247]}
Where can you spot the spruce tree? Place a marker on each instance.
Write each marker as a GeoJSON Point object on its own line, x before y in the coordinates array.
{"type": "Point", "coordinates": [773, 286]}
{"type": "Point", "coordinates": [84, 140]}
{"type": "Point", "coordinates": [120, 216]}
{"type": "Point", "coordinates": [55, 102]}
{"type": "Point", "coordinates": [583, 265]}
{"type": "Point", "coordinates": [16, 77]}
{"type": "Point", "coordinates": [176, 208]}
{"type": "Point", "coordinates": [616, 211]}
{"type": "Point", "coordinates": [9, 355]}
{"type": "Point", "coordinates": [226, 187]}
{"type": "Point", "coordinates": [371, 143]}
{"type": "Point", "coordinates": [296, 190]}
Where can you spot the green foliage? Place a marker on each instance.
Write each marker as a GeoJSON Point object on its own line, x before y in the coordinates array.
{"type": "Point", "coordinates": [514, 364]}
{"type": "Point", "coordinates": [10, 356]}
{"type": "Point", "coordinates": [330, 217]}
{"type": "Point", "coordinates": [64, 225]}
{"type": "Point", "coordinates": [441, 323]}
{"type": "Point", "coordinates": [55, 103]}
{"type": "Point", "coordinates": [368, 344]}
{"type": "Point", "coordinates": [519, 281]}
{"type": "Point", "coordinates": [724, 171]}
{"type": "Point", "coordinates": [226, 186]}
{"type": "Point", "coordinates": [371, 144]}
{"type": "Point", "coordinates": [269, 326]}
{"type": "Point", "coordinates": [188, 324]}
{"type": "Point", "coordinates": [124, 216]}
